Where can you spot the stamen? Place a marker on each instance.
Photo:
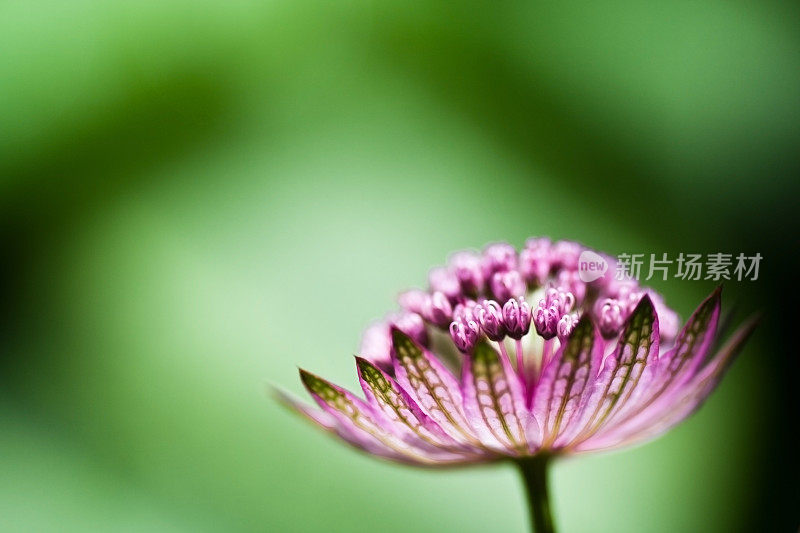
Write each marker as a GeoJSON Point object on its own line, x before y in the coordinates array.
{"type": "Point", "coordinates": [547, 352]}
{"type": "Point", "coordinates": [503, 352]}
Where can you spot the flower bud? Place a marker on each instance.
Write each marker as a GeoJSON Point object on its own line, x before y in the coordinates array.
{"type": "Point", "coordinates": [517, 318]}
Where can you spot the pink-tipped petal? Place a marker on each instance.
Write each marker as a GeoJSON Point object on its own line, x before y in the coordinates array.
{"type": "Point", "coordinates": [358, 424]}
{"type": "Point", "coordinates": [566, 381]}
{"type": "Point", "coordinates": [494, 400]}
{"type": "Point", "coordinates": [315, 416]}
{"type": "Point", "coordinates": [387, 397]}
{"type": "Point", "coordinates": [660, 417]}
{"type": "Point", "coordinates": [431, 385]}
{"type": "Point", "coordinates": [691, 347]}
{"type": "Point", "coordinates": [634, 356]}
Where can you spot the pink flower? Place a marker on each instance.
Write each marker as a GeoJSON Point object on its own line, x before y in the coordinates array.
{"type": "Point", "coordinates": [603, 374]}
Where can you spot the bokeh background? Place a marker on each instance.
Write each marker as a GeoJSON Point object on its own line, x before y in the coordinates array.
{"type": "Point", "coordinates": [196, 197]}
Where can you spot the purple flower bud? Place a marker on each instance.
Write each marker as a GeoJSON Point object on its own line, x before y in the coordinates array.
{"type": "Point", "coordinates": [498, 257]}
{"type": "Point", "coordinates": [555, 304]}
{"type": "Point", "coordinates": [610, 316]}
{"type": "Point", "coordinates": [566, 325]}
{"type": "Point", "coordinates": [565, 254]}
{"type": "Point", "coordinates": [613, 312]}
{"type": "Point", "coordinates": [465, 334]}
{"type": "Point", "coordinates": [625, 295]}
{"type": "Point", "coordinates": [445, 281]}
{"type": "Point", "coordinates": [437, 309]}
{"type": "Point", "coordinates": [517, 318]}
{"type": "Point", "coordinates": [413, 300]}
{"type": "Point", "coordinates": [570, 281]}
{"type": "Point", "coordinates": [412, 325]}
{"type": "Point", "coordinates": [467, 268]}
{"type": "Point", "coordinates": [534, 260]}
{"type": "Point", "coordinates": [490, 318]}
{"type": "Point", "coordinates": [507, 285]}
{"type": "Point", "coordinates": [561, 298]}
{"type": "Point", "coordinates": [465, 311]}
{"type": "Point", "coordinates": [376, 344]}
{"type": "Point", "coordinates": [546, 320]}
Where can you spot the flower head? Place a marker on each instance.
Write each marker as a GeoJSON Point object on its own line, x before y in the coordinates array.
{"type": "Point", "coordinates": [603, 366]}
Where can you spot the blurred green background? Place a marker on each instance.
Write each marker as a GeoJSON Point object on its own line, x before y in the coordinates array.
{"type": "Point", "coordinates": [196, 197]}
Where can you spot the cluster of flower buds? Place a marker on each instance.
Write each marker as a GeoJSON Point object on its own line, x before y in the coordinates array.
{"type": "Point", "coordinates": [500, 273]}
{"type": "Point", "coordinates": [471, 319]}
{"type": "Point", "coordinates": [464, 329]}
{"type": "Point", "coordinates": [557, 303]}
{"type": "Point", "coordinates": [471, 293]}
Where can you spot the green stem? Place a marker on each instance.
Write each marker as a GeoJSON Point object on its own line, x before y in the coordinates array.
{"type": "Point", "coordinates": [534, 474]}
